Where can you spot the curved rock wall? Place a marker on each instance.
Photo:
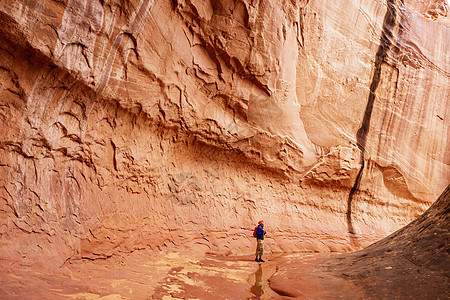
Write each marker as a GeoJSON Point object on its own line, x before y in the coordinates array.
{"type": "Point", "coordinates": [170, 124]}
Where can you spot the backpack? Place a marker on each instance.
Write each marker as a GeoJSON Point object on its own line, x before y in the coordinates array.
{"type": "Point", "coordinates": [255, 232]}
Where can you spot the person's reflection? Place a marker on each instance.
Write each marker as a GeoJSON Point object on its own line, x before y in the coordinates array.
{"type": "Point", "coordinates": [257, 287]}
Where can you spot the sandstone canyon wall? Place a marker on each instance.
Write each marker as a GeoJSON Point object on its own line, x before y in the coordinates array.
{"type": "Point", "coordinates": [145, 124]}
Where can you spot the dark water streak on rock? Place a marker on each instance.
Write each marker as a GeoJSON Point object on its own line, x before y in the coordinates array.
{"type": "Point", "coordinates": [361, 136]}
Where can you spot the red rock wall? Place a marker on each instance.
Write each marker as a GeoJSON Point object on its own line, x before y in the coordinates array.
{"type": "Point", "coordinates": [179, 124]}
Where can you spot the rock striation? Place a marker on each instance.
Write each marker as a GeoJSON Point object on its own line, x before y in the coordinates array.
{"type": "Point", "coordinates": [151, 124]}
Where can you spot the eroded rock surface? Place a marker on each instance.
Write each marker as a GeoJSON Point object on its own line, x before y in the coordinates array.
{"type": "Point", "coordinates": [179, 124]}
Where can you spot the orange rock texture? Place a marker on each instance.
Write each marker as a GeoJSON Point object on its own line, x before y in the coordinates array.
{"type": "Point", "coordinates": [411, 263]}
{"type": "Point", "coordinates": [157, 124]}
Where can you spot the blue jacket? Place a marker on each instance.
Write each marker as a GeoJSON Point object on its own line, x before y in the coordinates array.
{"type": "Point", "coordinates": [260, 233]}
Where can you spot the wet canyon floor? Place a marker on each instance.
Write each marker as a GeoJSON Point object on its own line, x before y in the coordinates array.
{"type": "Point", "coordinates": [176, 276]}
{"type": "Point", "coordinates": [141, 275]}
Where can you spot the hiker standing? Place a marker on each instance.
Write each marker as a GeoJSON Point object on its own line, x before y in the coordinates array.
{"type": "Point", "coordinates": [260, 232]}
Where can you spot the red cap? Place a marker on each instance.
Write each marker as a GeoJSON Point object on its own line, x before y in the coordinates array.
{"type": "Point", "coordinates": [260, 222]}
